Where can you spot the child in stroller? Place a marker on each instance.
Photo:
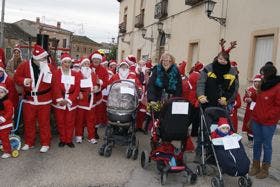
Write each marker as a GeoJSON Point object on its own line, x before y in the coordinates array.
{"type": "Point", "coordinates": [172, 124]}
{"type": "Point", "coordinates": [121, 111]}
{"type": "Point", "coordinates": [223, 148]}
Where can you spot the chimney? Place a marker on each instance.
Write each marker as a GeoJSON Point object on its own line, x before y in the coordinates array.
{"type": "Point", "coordinates": [58, 25]}
{"type": "Point", "coordinates": [38, 20]}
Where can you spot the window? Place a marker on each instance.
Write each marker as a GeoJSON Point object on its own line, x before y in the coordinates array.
{"type": "Point", "coordinates": [263, 52]}
{"type": "Point", "coordinates": [138, 55]}
{"type": "Point", "coordinates": [90, 50]}
{"type": "Point", "coordinates": [78, 48]}
{"type": "Point", "coordinates": [8, 53]}
{"type": "Point", "coordinates": [122, 55]}
{"type": "Point", "coordinates": [64, 43]}
{"type": "Point", "coordinates": [193, 54]}
{"type": "Point", "coordinates": [142, 4]}
{"type": "Point", "coordinates": [85, 50]}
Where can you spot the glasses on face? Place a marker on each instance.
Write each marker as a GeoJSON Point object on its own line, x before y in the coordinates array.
{"type": "Point", "coordinates": [224, 128]}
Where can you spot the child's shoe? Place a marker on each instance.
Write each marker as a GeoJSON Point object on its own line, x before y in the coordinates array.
{"type": "Point", "coordinates": [92, 141]}
{"type": "Point", "coordinates": [79, 139]}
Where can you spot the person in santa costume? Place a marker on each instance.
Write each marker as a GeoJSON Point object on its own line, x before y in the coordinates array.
{"type": "Point", "coordinates": [103, 77]}
{"type": "Point", "coordinates": [68, 83]}
{"type": "Point", "coordinates": [37, 78]}
{"type": "Point", "coordinates": [112, 66]}
{"type": "Point", "coordinates": [14, 62]}
{"type": "Point", "coordinates": [6, 120]}
{"type": "Point", "coordinates": [76, 65]}
{"type": "Point", "coordinates": [182, 69]}
{"type": "Point", "coordinates": [222, 130]}
{"type": "Point", "coordinates": [104, 62]}
{"type": "Point", "coordinates": [131, 60]}
{"type": "Point", "coordinates": [85, 115]}
{"type": "Point", "coordinates": [250, 98]}
{"type": "Point", "coordinates": [8, 81]}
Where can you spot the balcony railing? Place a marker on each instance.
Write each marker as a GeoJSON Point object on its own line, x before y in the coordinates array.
{"type": "Point", "coordinates": [161, 9]}
{"type": "Point", "coordinates": [139, 21]}
{"type": "Point", "coordinates": [193, 2]}
{"type": "Point", "coordinates": [122, 27]}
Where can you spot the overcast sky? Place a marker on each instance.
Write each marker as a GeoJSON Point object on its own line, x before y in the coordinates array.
{"type": "Point", "coordinates": [97, 19]}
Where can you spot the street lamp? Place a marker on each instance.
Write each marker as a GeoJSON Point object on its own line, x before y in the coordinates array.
{"type": "Point", "coordinates": [209, 7]}
{"type": "Point", "coordinates": [144, 31]}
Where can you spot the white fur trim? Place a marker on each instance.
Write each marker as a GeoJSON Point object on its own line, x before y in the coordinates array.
{"type": "Point", "coordinates": [100, 82]}
{"type": "Point", "coordinates": [98, 56]}
{"type": "Point", "coordinates": [128, 61]}
{"type": "Point", "coordinates": [257, 79]}
{"type": "Point", "coordinates": [5, 89]}
{"type": "Point", "coordinates": [6, 126]}
{"type": "Point", "coordinates": [59, 99]}
{"type": "Point", "coordinates": [84, 60]}
{"type": "Point", "coordinates": [2, 119]}
{"type": "Point", "coordinates": [42, 55]}
{"type": "Point", "coordinates": [66, 58]}
{"type": "Point", "coordinates": [69, 101]}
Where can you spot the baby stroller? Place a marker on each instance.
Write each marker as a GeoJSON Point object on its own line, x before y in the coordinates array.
{"type": "Point", "coordinates": [174, 120]}
{"type": "Point", "coordinates": [121, 111]}
{"type": "Point", "coordinates": [233, 162]}
{"type": "Point", "coordinates": [15, 139]}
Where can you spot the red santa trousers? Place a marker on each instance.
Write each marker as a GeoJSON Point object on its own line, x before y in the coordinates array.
{"type": "Point", "coordinates": [85, 117]}
{"type": "Point", "coordinates": [140, 117]}
{"type": "Point", "coordinates": [101, 117]}
{"type": "Point", "coordinates": [32, 113]}
{"type": "Point", "coordinates": [234, 119]}
{"type": "Point", "coordinates": [65, 121]}
{"type": "Point", "coordinates": [4, 137]}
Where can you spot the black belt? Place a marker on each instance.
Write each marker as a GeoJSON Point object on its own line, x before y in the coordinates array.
{"type": "Point", "coordinates": [37, 93]}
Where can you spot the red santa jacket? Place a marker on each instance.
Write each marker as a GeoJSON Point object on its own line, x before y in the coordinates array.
{"type": "Point", "coordinates": [6, 115]}
{"type": "Point", "coordinates": [251, 92]}
{"type": "Point", "coordinates": [12, 95]}
{"type": "Point", "coordinates": [189, 88]}
{"type": "Point", "coordinates": [267, 109]}
{"type": "Point", "coordinates": [102, 75]}
{"type": "Point", "coordinates": [44, 90]}
{"type": "Point", "coordinates": [69, 91]}
{"type": "Point", "coordinates": [86, 102]}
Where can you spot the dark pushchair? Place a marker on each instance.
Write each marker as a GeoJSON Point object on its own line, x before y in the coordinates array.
{"type": "Point", "coordinates": [172, 124]}
{"type": "Point", "coordinates": [121, 111]}
{"type": "Point", "coordinates": [233, 162]}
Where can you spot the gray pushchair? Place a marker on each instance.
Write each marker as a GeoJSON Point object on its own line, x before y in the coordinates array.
{"type": "Point", "coordinates": [121, 112]}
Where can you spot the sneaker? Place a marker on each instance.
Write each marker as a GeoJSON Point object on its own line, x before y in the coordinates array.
{"type": "Point", "coordinates": [92, 141]}
{"type": "Point", "coordinates": [26, 147]}
{"type": "Point", "coordinates": [79, 139]}
{"type": "Point", "coordinates": [44, 149]}
{"type": "Point", "coordinates": [6, 155]}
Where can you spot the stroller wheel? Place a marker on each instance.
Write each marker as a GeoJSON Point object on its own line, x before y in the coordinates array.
{"type": "Point", "coordinates": [216, 182]}
{"type": "Point", "coordinates": [199, 170]}
{"type": "Point", "coordinates": [128, 152]}
{"type": "Point", "coordinates": [15, 142]}
{"type": "Point", "coordinates": [244, 182]}
{"type": "Point", "coordinates": [134, 153]}
{"type": "Point", "coordinates": [108, 151]}
{"type": "Point", "coordinates": [144, 159]}
{"type": "Point", "coordinates": [101, 150]}
{"type": "Point", "coordinates": [192, 178]}
{"type": "Point", "coordinates": [163, 177]}
{"type": "Point", "coordinates": [15, 153]}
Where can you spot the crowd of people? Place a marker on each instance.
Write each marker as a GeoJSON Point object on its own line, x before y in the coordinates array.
{"type": "Point", "coordinates": [76, 92]}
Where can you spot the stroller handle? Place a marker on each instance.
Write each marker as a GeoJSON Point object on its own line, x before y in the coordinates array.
{"type": "Point", "coordinates": [18, 116]}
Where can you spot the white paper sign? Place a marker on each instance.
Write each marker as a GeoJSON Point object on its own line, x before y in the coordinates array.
{"type": "Point", "coordinates": [126, 90]}
{"type": "Point", "coordinates": [66, 79]}
{"type": "Point", "coordinates": [47, 77]}
{"type": "Point", "coordinates": [230, 142]}
{"type": "Point", "coordinates": [180, 108]}
{"type": "Point", "coordinates": [86, 83]}
{"type": "Point", "coordinates": [252, 105]}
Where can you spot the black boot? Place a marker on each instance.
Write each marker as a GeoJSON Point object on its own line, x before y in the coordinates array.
{"type": "Point", "coordinates": [96, 134]}
{"type": "Point", "coordinates": [61, 144]}
{"type": "Point", "coordinates": [146, 122]}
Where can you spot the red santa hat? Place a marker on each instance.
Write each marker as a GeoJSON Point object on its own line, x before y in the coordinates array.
{"type": "Point", "coordinates": [65, 56]}
{"type": "Point", "coordinates": [39, 52]}
{"type": "Point", "coordinates": [130, 59]}
{"type": "Point", "coordinates": [182, 68]}
{"type": "Point", "coordinates": [257, 77]}
{"type": "Point", "coordinates": [83, 60]}
{"type": "Point", "coordinates": [198, 66]}
{"type": "Point", "coordinates": [95, 54]}
{"type": "Point", "coordinates": [17, 47]}
{"type": "Point", "coordinates": [124, 62]}
{"type": "Point", "coordinates": [223, 122]}
{"type": "Point", "coordinates": [104, 61]}
{"type": "Point", "coordinates": [112, 62]}
{"type": "Point", "coordinates": [76, 63]}
{"type": "Point", "coordinates": [4, 87]}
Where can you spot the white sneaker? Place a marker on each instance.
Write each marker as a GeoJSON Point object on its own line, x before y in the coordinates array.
{"type": "Point", "coordinates": [92, 141]}
{"type": "Point", "coordinates": [79, 139]}
{"type": "Point", "coordinates": [44, 149]}
{"type": "Point", "coordinates": [26, 147]}
{"type": "Point", "coordinates": [6, 155]}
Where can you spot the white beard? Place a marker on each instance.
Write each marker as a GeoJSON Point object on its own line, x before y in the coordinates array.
{"type": "Point", "coordinates": [86, 71]}
{"type": "Point", "coordinates": [123, 74]}
{"type": "Point", "coordinates": [44, 66]}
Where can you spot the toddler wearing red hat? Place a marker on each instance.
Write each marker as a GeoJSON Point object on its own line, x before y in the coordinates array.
{"type": "Point", "coordinates": [222, 130]}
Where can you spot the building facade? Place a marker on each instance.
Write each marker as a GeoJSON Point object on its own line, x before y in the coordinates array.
{"type": "Point", "coordinates": [181, 27]}
{"type": "Point", "coordinates": [82, 46]}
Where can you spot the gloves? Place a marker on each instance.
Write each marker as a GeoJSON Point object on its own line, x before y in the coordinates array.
{"type": "Point", "coordinates": [202, 99]}
{"type": "Point", "coordinates": [222, 101]}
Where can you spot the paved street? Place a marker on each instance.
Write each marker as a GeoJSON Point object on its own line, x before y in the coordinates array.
{"type": "Point", "coordinates": [83, 166]}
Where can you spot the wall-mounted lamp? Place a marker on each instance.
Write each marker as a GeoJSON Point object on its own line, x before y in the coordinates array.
{"type": "Point", "coordinates": [209, 7]}
{"type": "Point", "coordinates": [123, 41]}
{"type": "Point", "coordinates": [144, 31]}
{"type": "Point", "coordinates": [160, 30]}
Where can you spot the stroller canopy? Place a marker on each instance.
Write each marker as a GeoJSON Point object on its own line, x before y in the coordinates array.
{"type": "Point", "coordinates": [123, 96]}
